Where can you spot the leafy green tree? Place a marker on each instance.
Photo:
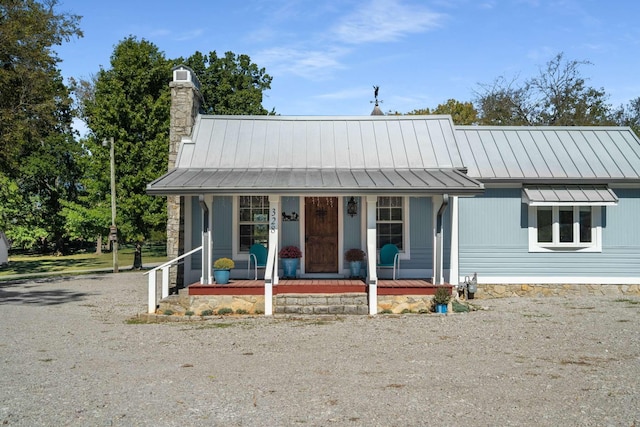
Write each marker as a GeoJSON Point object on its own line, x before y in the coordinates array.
{"type": "Point", "coordinates": [37, 148]}
{"type": "Point", "coordinates": [231, 84]}
{"type": "Point", "coordinates": [558, 96]}
{"type": "Point", "coordinates": [462, 113]}
{"type": "Point", "coordinates": [34, 101]}
{"type": "Point", "coordinates": [129, 102]}
{"type": "Point", "coordinates": [629, 115]}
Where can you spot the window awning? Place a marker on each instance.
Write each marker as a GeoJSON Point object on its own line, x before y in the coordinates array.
{"type": "Point", "coordinates": [315, 181]}
{"type": "Point", "coordinates": [568, 195]}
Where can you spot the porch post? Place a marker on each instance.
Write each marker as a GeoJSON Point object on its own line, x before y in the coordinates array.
{"type": "Point", "coordinates": [205, 277]}
{"type": "Point", "coordinates": [437, 237]}
{"type": "Point", "coordinates": [271, 271]}
{"type": "Point", "coordinates": [454, 274]}
{"type": "Point", "coordinates": [372, 278]}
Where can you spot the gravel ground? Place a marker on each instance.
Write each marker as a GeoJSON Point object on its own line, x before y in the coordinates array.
{"type": "Point", "coordinates": [69, 357]}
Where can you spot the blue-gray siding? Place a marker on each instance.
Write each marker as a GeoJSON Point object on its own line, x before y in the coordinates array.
{"type": "Point", "coordinates": [493, 238]}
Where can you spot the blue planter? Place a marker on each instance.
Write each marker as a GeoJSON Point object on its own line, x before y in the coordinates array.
{"type": "Point", "coordinates": [355, 267]}
{"type": "Point", "coordinates": [441, 308]}
{"type": "Point", "coordinates": [290, 266]}
{"type": "Point", "coordinates": [221, 276]}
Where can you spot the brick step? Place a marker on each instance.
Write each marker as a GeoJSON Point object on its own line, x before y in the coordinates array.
{"type": "Point", "coordinates": [347, 303]}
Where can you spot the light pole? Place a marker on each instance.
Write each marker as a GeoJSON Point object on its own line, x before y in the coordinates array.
{"type": "Point", "coordinates": [113, 231]}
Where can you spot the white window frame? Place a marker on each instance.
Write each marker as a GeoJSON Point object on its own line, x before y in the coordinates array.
{"type": "Point", "coordinates": [237, 255]}
{"type": "Point", "coordinates": [555, 245]}
{"type": "Point", "coordinates": [405, 252]}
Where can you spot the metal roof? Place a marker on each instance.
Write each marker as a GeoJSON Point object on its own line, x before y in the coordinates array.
{"type": "Point", "coordinates": [571, 195]}
{"type": "Point", "coordinates": [316, 181]}
{"type": "Point", "coordinates": [413, 154]}
{"type": "Point", "coordinates": [548, 154]}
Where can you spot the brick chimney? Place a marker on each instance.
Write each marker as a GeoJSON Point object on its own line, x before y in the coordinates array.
{"type": "Point", "coordinates": [186, 101]}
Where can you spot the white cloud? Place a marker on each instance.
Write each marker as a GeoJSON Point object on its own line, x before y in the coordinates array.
{"type": "Point", "coordinates": [310, 64]}
{"type": "Point", "coordinates": [384, 21]}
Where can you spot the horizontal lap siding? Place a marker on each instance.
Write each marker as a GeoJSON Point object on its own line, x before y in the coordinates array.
{"type": "Point", "coordinates": [494, 240]}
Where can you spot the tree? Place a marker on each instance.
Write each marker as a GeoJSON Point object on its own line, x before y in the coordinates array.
{"type": "Point", "coordinates": [558, 96]}
{"type": "Point", "coordinates": [129, 102]}
{"type": "Point", "coordinates": [33, 99]}
{"type": "Point", "coordinates": [629, 115]}
{"type": "Point", "coordinates": [37, 148]}
{"type": "Point", "coordinates": [462, 113]}
{"type": "Point", "coordinates": [231, 84]}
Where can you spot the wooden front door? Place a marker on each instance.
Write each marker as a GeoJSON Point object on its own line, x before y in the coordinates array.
{"type": "Point", "coordinates": [321, 236]}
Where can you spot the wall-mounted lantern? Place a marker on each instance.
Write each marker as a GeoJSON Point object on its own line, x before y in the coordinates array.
{"type": "Point", "coordinates": [352, 207]}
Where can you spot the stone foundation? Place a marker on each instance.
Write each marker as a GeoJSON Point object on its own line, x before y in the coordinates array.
{"type": "Point", "coordinates": [533, 290]}
{"type": "Point", "coordinates": [181, 303]}
{"type": "Point", "coordinates": [399, 303]}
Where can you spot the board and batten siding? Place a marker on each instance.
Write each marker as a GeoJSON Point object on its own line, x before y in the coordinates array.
{"type": "Point", "coordinates": [493, 241]}
{"type": "Point", "coordinates": [420, 235]}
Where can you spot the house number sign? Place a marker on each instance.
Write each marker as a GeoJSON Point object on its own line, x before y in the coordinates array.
{"type": "Point", "coordinates": [273, 220]}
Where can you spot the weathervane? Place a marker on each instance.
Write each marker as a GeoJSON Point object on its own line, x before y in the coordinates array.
{"type": "Point", "coordinates": [375, 95]}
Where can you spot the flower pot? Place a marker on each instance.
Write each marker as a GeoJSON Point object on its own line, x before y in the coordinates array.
{"type": "Point", "coordinates": [289, 267]}
{"type": "Point", "coordinates": [221, 276]}
{"type": "Point", "coordinates": [355, 267]}
{"type": "Point", "coordinates": [441, 308]}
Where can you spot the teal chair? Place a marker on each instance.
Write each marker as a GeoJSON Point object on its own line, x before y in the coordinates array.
{"type": "Point", "coordinates": [257, 256]}
{"type": "Point", "coordinates": [390, 258]}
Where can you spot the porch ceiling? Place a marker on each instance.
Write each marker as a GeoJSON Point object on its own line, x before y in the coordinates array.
{"type": "Point", "coordinates": [418, 181]}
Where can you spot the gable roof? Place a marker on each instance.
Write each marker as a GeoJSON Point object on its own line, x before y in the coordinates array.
{"type": "Point", "coordinates": [376, 154]}
{"type": "Point", "coordinates": [550, 154]}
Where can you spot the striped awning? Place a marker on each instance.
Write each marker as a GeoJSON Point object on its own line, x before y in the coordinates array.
{"type": "Point", "coordinates": [315, 181]}
{"type": "Point", "coordinates": [569, 195]}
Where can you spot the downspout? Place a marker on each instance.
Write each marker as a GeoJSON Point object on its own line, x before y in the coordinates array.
{"type": "Point", "coordinates": [437, 279]}
{"type": "Point", "coordinates": [205, 278]}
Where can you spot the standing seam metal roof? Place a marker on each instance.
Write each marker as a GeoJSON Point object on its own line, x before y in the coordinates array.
{"type": "Point", "coordinates": [381, 154]}
{"type": "Point", "coordinates": [528, 154]}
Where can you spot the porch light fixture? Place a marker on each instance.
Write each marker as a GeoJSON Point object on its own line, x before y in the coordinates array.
{"type": "Point", "coordinates": [352, 207]}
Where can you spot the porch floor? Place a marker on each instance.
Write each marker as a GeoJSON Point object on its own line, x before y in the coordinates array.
{"type": "Point", "coordinates": [317, 286]}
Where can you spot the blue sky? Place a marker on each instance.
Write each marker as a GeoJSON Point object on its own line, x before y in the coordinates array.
{"type": "Point", "coordinates": [326, 56]}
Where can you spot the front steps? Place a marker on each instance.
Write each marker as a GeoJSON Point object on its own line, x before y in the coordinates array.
{"type": "Point", "coordinates": [346, 303]}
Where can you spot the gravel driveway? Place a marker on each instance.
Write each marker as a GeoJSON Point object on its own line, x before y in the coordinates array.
{"type": "Point", "coordinates": [69, 357]}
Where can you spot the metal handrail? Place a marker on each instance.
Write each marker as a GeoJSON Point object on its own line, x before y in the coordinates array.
{"type": "Point", "coordinates": [153, 298]}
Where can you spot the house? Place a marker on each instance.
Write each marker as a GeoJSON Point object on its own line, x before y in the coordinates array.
{"type": "Point", "coordinates": [4, 249]}
{"type": "Point", "coordinates": [519, 206]}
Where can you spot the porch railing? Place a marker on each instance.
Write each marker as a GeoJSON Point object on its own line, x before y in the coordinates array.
{"type": "Point", "coordinates": [165, 268]}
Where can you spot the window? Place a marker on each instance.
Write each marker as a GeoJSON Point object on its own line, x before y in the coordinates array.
{"type": "Point", "coordinates": [253, 221]}
{"type": "Point", "coordinates": [564, 227]}
{"type": "Point", "coordinates": [390, 221]}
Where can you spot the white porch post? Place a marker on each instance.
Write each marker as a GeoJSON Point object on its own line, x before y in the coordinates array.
{"type": "Point", "coordinates": [372, 280]}
{"type": "Point", "coordinates": [439, 205]}
{"type": "Point", "coordinates": [206, 275]}
{"type": "Point", "coordinates": [454, 273]}
{"type": "Point", "coordinates": [271, 271]}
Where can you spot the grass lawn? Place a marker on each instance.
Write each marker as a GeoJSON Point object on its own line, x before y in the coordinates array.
{"type": "Point", "coordinates": [37, 264]}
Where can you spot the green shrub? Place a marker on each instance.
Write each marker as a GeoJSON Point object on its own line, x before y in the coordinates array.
{"type": "Point", "coordinates": [406, 311]}
{"type": "Point", "coordinates": [206, 313]}
{"type": "Point", "coordinates": [167, 312]}
{"type": "Point", "coordinates": [241, 311]}
{"type": "Point", "coordinates": [188, 313]}
{"type": "Point", "coordinates": [386, 311]}
{"type": "Point", "coordinates": [223, 264]}
{"type": "Point", "coordinates": [224, 311]}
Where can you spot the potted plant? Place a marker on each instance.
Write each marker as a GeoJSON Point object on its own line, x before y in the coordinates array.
{"type": "Point", "coordinates": [221, 270]}
{"type": "Point", "coordinates": [290, 259]}
{"type": "Point", "coordinates": [355, 257]}
{"type": "Point", "coordinates": [441, 299]}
